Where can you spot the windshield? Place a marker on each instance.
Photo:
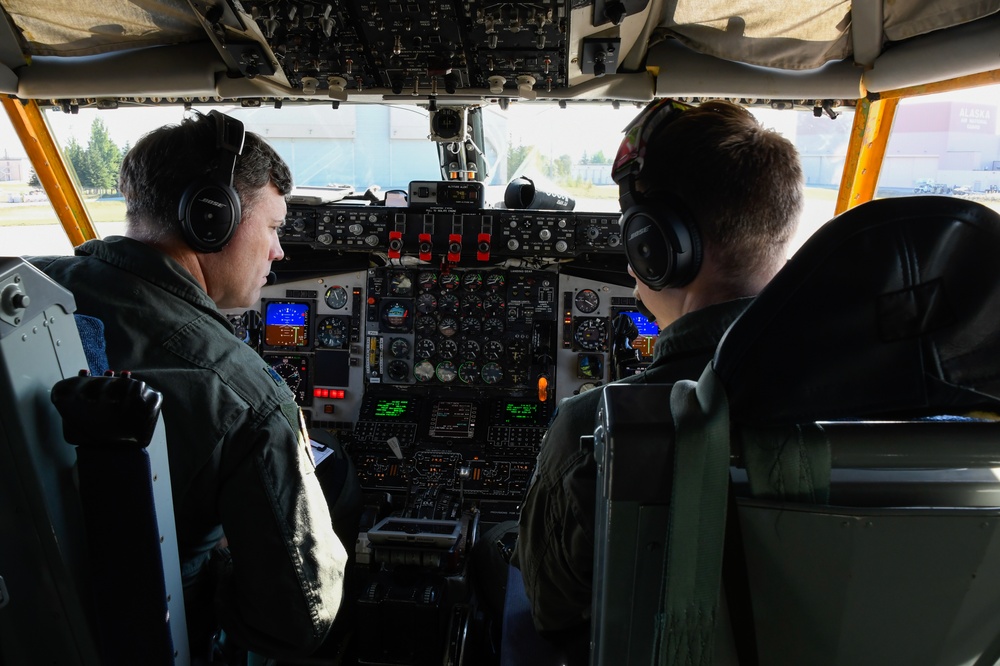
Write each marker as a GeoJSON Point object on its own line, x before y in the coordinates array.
{"type": "Point", "coordinates": [565, 151]}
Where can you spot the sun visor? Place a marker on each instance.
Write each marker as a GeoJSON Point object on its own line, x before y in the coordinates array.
{"type": "Point", "coordinates": [685, 73]}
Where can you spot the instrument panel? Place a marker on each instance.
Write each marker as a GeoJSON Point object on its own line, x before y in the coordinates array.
{"type": "Point", "coordinates": [439, 366]}
{"type": "Point", "coordinates": [439, 376]}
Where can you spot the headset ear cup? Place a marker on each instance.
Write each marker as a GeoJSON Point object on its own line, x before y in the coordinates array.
{"type": "Point", "coordinates": [663, 249]}
{"type": "Point", "coordinates": [209, 213]}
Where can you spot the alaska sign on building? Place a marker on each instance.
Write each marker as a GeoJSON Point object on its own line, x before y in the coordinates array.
{"type": "Point", "coordinates": [979, 118]}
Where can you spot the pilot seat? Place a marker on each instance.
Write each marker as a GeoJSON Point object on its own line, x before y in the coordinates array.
{"type": "Point", "coordinates": [825, 493]}
{"type": "Point", "coordinates": [89, 572]}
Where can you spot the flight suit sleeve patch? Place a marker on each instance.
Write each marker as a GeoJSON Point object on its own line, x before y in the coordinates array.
{"type": "Point", "coordinates": [275, 377]}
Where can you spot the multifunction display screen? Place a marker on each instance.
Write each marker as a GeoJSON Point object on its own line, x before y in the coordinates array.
{"type": "Point", "coordinates": [392, 408]}
{"type": "Point", "coordinates": [286, 324]}
{"type": "Point", "coordinates": [453, 419]}
{"type": "Point", "coordinates": [521, 413]}
{"type": "Point", "coordinates": [645, 326]}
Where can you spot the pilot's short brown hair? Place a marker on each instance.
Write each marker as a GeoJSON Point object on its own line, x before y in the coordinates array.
{"type": "Point", "coordinates": [740, 182]}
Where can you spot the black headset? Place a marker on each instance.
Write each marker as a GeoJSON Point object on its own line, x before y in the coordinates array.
{"type": "Point", "coordinates": [209, 206]}
{"type": "Point", "coordinates": [662, 244]}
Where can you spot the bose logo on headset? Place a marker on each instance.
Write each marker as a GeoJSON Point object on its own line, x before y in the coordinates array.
{"type": "Point", "coordinates": [209, 208]}
{"type": "Point", "coordinates": [211, 203]}
{"type": "Point", "coordinates": [639, 232]}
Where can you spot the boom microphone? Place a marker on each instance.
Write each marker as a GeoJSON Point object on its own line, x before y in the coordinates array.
{"type": "Point", "coordinates": [641, 307]}
{"type": "Point", "coordinates": [272, 277]}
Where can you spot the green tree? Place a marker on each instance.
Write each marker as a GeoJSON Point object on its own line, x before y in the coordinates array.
{"type": "Point", "coordinates": [599, 158]}
{"type": "Point", "coordinates": [76, 156]}
{"type": "Point", "coordinates": [518, 157]}
{"type": "Point", "coordinates": [104, 158]}
{"type": "Point", "coordinates": [559, 169]}
{"type": "Point", "coordinates": [33, 178]}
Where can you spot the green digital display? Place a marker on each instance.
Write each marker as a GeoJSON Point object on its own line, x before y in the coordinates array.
{"type": "Point", "coordinates": [521, 412]}
{"type": "Point", "coordinates": [391, 409]}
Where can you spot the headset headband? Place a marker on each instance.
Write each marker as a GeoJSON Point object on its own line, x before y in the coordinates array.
{"type": "Point", "coordinates": [229, 137]}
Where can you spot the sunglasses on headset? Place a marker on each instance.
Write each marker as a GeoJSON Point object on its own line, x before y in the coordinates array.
{"type": "Point", "coordinates": [632, 151]}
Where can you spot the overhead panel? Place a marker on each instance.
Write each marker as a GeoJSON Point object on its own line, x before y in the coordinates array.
{"type": "Point", "coordinates": [417, 48]}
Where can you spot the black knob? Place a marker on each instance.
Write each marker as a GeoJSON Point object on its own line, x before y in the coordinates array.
{"type": "Point", "coordinates": [615, 12]}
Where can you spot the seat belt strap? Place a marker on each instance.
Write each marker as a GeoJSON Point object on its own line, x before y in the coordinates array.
{"type": "Point", "coordinates": [696, 530]}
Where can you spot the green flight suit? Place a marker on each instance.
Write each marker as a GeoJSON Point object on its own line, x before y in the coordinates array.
{"type": "Point", "coordinates": [555, 546]}
{"type": "Point", "coordinates": [239, 456]}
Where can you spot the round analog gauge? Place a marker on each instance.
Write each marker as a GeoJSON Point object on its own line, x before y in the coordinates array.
{"type": "Point", "coordinates": [495, 280]}
{"type": "Point", "coordinates": [471, 325]}
{"type": "Point", "coordinates": [423, 371]}
{"type": "Point", "coordinates": [396, 315]}
{"type": "Point", "coordinates": [492, 373]}
{"type": "Point", "coordinates": [426, 348]}
{"type": "Point", "coordinates": [494, 304]}
{"type": "Point", "coordinates": [472, 305]}
{"type": "Point", "coordinates": [290, 373]}
{"type": "Point", "coordinates": [492, 325]}
{"type": "Point", "coordinates": [472, 281]}
{"type": "Point", "coordinates": [450, 280]}
{"type": "Point", "coordinates": [427, 280]}
{"type": "Point", "coordinates": [427, 303]}
{"type": "Point", "coordinates": [448, 349]}
{"type": "Point", "coordinates": [332, 333]}
{"type": "Point", "coordinates": [586, 387]}
{"type": "Point", "coordinates": [336, 297]}
{"type": "Point", "coordinates": [449, 304]}
{"type": "Point", "coordinates": [446, 371]}
{"type": "Point", "coordinates": [426, 324]}
{"type": "Point", "coordinates": [399, 347]}
{"type": "Point", "coordinates": [493, 350]}
{"type": "Point", "coordinates": [469, 349]}
{"type": "Point", "coordinates": [468, 372]}
{"type": "Point", "coordinates": [400, 283]}
{"type": "Point", "coordinates": [398, 371]}
{"type": "Point", "coordinates": [587, 301]}
{"type": "Point", "coordinates": [448, 326]}
{"type": "Point", "coordinates": [591, 334]}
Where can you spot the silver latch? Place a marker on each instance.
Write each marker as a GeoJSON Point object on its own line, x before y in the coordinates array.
{"type": "Point", "coordinates": [13, 300]}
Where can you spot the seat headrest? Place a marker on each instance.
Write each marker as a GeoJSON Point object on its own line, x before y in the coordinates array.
{"type": "Point", "coordinates": [891, 309]}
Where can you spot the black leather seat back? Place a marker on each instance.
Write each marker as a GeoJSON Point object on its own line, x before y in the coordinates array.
{"type": "Point", "coordinates": [915, 332]}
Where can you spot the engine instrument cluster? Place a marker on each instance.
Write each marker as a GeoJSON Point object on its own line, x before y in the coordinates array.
{"type": "Point", "coordinates": [466, 328]}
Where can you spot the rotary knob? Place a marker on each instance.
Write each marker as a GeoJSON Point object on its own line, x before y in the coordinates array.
{"type": "Point", "coordinates": [561, 246]}
{"type": "Point", "coordinates": [545, 234]}
{"type": "Point", "coordinates": [325, 239]}
{"type": "Point", "coordinates": [512, 244]}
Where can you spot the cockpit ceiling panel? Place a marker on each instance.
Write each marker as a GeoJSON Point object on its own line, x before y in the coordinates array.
{"type": "Point", "coordinates": [789, 34]}
{"type": "Point", "coordinates": [99, 26]}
